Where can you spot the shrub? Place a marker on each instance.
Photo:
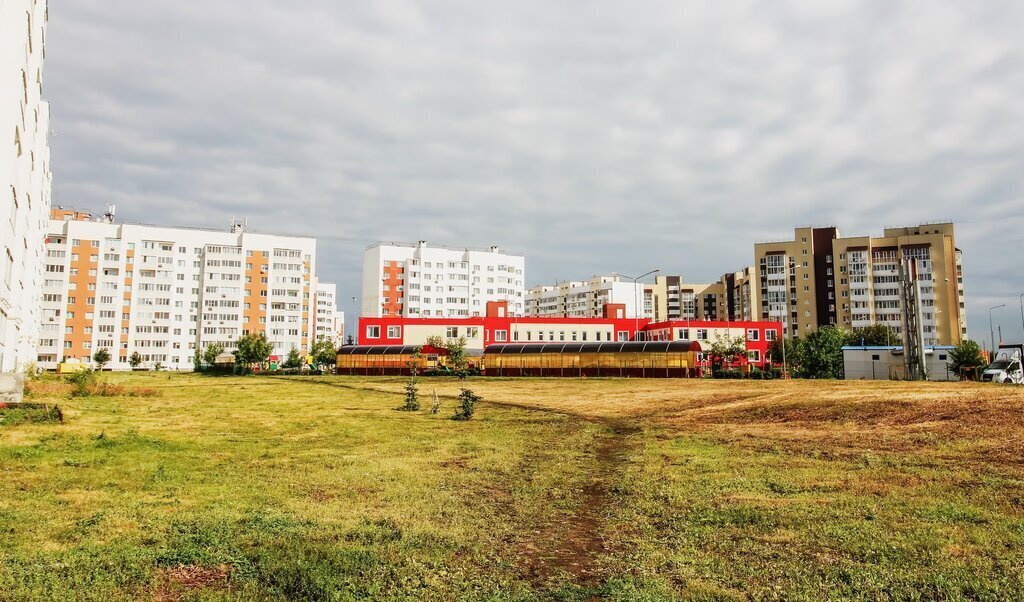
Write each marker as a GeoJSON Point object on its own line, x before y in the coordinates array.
{"type": "Point", "coordinates": [412, 397]}
{"type": "Point", "coordinates": [467, 404]}
{"type": "Point", "coordinates": [82, 381]}
{"type": "Point", "coordinates": [45, 388]}
{"type": "Point", "coordinates": [29, 413]}
{"type": "Point", "coordinates": [728, 374]}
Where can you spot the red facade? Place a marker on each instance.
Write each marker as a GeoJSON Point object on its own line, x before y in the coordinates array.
{"type": "Point", "coordinates": [498, 327]}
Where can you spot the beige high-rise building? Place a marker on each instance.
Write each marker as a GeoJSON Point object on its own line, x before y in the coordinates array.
{"type": "Point", "coordinates": [821, 278]}
{"type": "Point", "coordinates": [732, 297]}
{"type": "Point", "coordinates": [671, 298]}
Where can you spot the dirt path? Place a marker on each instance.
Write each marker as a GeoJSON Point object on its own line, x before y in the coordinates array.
{"type": "Point", "coordinates": [572, 544]}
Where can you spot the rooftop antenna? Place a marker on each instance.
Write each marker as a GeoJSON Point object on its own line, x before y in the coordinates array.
{"type": "Point", "coordinates": [109, 215]}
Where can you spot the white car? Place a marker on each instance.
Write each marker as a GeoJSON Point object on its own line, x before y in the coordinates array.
{"type": "Point", "coordinates": [1006, 368]}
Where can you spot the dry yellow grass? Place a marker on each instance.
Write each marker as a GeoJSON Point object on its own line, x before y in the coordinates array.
{"type": "Point", "coordinates": [983, 419]}
{"type": "Point", "coordinates": [316, 488]}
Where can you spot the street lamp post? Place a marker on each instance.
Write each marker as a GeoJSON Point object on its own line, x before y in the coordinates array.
{"type": "Point", "coordinates": [1022, 314]}
{"type": "Point", "coordinates": [636, 300]}
{"type": "Point", "coordinates": [355, 323]}
{"type": "Point", "coordinates": [991, 329]}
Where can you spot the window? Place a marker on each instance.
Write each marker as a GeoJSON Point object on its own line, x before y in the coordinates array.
{"type": "Point", "coordinates": [623, 335]}
{"type": "Point", "coordinates": [394, 332]}
{"type": "Point", "coordinates": [753, 335]}
{"type": "Point", "coordinates": [501, 336]}
{"type": "Point", "coordinates": [702, 334]}
{"type": "Point", "coordinates": [754, 355]}
{"type": "Point", "coordinates": [451, 332]}
{"type": "Point", "coordinates": [373, 332]}
{"type": "Point", "coordinates": [770, 335]}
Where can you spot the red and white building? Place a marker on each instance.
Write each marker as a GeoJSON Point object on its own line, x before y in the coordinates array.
{"type": "Point", "coordinates": [421, 281]}
{"type": "Point", "coordinates": [498, 326]}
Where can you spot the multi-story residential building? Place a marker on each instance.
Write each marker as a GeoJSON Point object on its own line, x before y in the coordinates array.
{"type": "Point", "coordinates": [741, 296]}
{"type": "Point", "coordinates": [166, 292]}
{"type": "Point", "coordinates": [497, 326]}
{"type": "Point", "coordinates": [330, 323]}
{"type": "Point", "coordinates": [418, 280]}
{"type": "Point", "coordinates": [584, 299]}
{"type": "Point", "coordinates": [24, 177]}
{"type": "Point", "coordinates": [821, 278]}
{"type": "Point", "coordinates": [731, 298]}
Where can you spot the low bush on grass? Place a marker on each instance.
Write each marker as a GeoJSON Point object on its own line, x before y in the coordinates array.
{"type": "Point", "coordinates": [467, 404]}
{"type": "Point", "coordinates": [77, 385]}
{"type": "Point", "coordinates": [106, 389]}
{"type": "Point", "coordinates": [46, 388]}
{"type": "Point", "coordinates": [29, 413]}
{"type": "Point", "coordinates": [81, 382]}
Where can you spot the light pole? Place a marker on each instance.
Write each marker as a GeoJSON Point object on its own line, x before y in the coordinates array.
{"type": "Point", "coordinates": [991, 329]}
{"type": "Point", "coordinates": [1022, 314]}
{"type": "Point", "coordinates": [355, 322]}
{"type": "Point", "coordinates": [636, 299]}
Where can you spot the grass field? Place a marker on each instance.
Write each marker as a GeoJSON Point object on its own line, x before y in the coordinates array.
{"type": "Point", "coordinates": [316, 488]}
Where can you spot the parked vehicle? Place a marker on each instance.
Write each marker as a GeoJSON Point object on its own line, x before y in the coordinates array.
{"type": "Point", "coordinates": [1006, 366]}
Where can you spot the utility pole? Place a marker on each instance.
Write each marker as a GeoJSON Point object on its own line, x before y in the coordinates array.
{"type": "Point", "coordinates": [913, 329]}
{"type": "Point", "coordinates": [1022, 316]}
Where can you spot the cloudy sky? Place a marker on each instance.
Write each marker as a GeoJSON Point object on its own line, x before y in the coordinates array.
{"type": "Point", "coordinates": [592, 136]}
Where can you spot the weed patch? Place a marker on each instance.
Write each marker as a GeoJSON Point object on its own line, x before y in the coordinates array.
{"type": "Point", "coordinates": [29, 413]}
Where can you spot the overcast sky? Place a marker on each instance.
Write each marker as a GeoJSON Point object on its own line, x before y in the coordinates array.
{"type": "Point", "coordinates": [592, 136]}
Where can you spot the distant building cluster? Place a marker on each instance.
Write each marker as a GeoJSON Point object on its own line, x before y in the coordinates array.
{"type": "Point", "coordinates": [72, 282]}
{"type": "Point", "coordinates": [413, 292]}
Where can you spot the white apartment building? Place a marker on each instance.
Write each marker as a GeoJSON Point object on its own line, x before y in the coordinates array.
{"type": "Point", "coordinates": [330, 323]}
{"type": "Point", "coordinates": [24, 177]}
{"type": "Point", "coordinates": [166, 292]}
{"type": "Point", "coordinates": [585, 299]}
{"type": "Point", "coordinates": [417, 280]}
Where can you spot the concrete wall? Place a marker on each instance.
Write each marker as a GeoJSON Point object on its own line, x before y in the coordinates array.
{"type": "Point", "coordinates": [12, 387]}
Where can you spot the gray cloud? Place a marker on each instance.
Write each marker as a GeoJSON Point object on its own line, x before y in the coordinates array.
{"type": "Point", "coordinates": [594, 137]}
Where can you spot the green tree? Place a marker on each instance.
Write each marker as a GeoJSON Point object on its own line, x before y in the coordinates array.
{"type": "Point", "coordinates": [412, 391]}
{"type": "Point", "coordinates": [101, 357]}
{"type": "Point", "coordinates": [791, 356]}
{"type": "Point", "coordinates": [467, 405]}
{"type": "Point", "coordinates": [211, 352]}
{"type": "Point", "coordinates": [323, 354]}
{"type": "Point", "coordinates": [875, 335]}
{"type": "Point", "coordinates": [252, 349]}
{"type": "Point", "coordinates": [458, 359]}
{"type": "Point", "coordinates": [724, 351]}
{"type": "Point", "coordinates": [135, 360]}
{"type": "Point", "coordinates": [821, 353]}
{"type": "Point", "coordinates": [294, 359]}
{"type": "Point", "coordinates": [966, 358]}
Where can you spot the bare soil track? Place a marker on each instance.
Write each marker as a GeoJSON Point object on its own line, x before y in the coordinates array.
{"type": "Point", "coordinates": [573, 544]}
